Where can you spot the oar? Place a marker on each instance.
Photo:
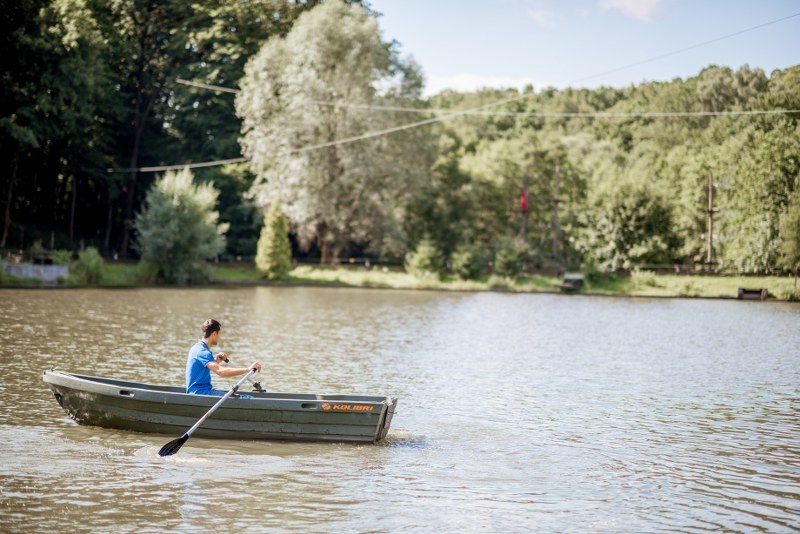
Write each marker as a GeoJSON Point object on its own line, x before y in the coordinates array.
{"type": "Point", "coordinates": [256, 385]}
{"type": "Point", "coordinates": [175, 445]}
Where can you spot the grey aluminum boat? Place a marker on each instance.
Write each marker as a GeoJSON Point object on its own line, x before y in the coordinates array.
{"type": "Point", "coordinates": [109, 403]}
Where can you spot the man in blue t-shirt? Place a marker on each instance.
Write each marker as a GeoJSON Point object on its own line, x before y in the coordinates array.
{"type": "Point", "coordinates": [201, 362]}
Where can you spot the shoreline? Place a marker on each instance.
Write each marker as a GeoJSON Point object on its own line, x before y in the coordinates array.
{"type": "Point", "coordinates": [506, 287]}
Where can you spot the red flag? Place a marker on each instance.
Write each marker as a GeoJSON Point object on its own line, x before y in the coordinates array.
{"type": "Point", "coordinates": [523, 201]}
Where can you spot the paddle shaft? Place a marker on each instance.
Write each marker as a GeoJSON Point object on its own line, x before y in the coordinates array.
{"type": "Point", "coordinates": [219, 402]}
{"type": "Point", "coordinates": [256, 384]}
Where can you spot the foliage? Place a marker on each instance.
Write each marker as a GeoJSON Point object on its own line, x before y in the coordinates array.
{"type": "Point", "coordinates": [61, 257]}
{"type": "Point", "coordinates": [89, 85]}
{"type": "Point", "coordinates": [147, 273]}
{"type": "Point", "coordinates": [307, 90]}
{"type": "Point", "coordinates": [426, 260]}
{"type": "Point", "coordinates": [274, 257]}
{"type": "Point", "coordinates": [790, 234]}
{"type": "Point", "coordinates": [88, 269]}
{"type": "Point", "coordinates": [469, 262]}
{"type": "Point", "coordinates": [762, 170]}
{"type": "Point", "coordinates": [510, 257]}
{"type": "Point", "coordinates": [178, 229]}
{"type": "Point", "coordinates": [628, 226]}
{"type": "Point", "coordinates": [643, 279]}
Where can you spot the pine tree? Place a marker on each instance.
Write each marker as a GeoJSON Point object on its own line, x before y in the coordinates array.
{"type": "Point", "coordinates": [274, 256]}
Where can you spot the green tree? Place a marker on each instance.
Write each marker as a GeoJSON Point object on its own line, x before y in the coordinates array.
{"type": "Point", "coordinates": [790, 235]}
{"type": "Point", "coordinates": [760, 168]}
{"type": "Point", "coordinates": [178, 231]}
{"type": "Point", "coordinates": [338, 193]}
{"type": "Point", "coordinates": [149, 41]}
{"type": "Point", "coordinates": [510, 257]}
{"type": "Point", "coordinates": [52, 88]}
{"type": "Point", "coordinates": [630, 225]}
{"type": "Point", "coordinates": [223, 35]}
{"type": "Point", "coordinates": [274, 257]}
{"type": "Point", "coordinates": [426, 260]}
{"type": "Point", "coordinates": [88, 270]}
{"type": "Point", "coordinates": [469, 262]}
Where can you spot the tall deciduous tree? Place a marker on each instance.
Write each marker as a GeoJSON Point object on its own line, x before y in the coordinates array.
{"type": "Point", "coordinates": [52, 86]}
{"type": "Point", "coordinates": [150, 42]}
{"type": "Point", "coordinates": [339, 193]}
{"type": "Point", "coordinates": [790, 234]}
{"type": "Point", "coordinates": [223, 36]}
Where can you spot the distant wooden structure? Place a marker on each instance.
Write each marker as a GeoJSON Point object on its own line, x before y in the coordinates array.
{"type": "Point", "coordinates": [752, 294]}
{"type": "Point", "coordinates": [571, 283]}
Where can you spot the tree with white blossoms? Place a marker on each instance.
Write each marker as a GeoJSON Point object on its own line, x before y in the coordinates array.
{"type": "Point", "coordinates": [312, 88]}
{"type": "Point", "coordinates": [178, 231]}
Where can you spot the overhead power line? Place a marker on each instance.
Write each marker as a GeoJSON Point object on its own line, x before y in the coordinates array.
{"type": "Point", "coordinates": [206, 86]}
{"type": "Point", "coordinates": [596, 114]}
{"type": "Point", "coordinates": [455, 113]}
{"type": "Point", "coordinates": [161, 168]}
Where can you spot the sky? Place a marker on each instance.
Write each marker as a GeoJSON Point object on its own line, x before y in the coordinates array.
{"type": "Point", "coordinates": [469, 44]}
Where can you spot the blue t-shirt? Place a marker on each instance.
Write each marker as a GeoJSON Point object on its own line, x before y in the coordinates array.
{"type": "Point", "coordinates": [198, 377]}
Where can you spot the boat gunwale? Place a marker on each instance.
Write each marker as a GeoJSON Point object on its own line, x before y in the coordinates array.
{"type": "Point", "coordinates": [177, 395]}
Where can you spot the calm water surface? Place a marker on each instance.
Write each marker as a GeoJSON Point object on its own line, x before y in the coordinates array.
{"type": "Point", "coordinates": [516, 413]}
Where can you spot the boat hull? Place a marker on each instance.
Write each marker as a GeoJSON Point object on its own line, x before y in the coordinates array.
{"type": "Point", "coordinates": [273, 416]}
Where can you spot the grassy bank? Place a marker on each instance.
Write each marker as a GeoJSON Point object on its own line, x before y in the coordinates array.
{"type": "Point", "coordinates": [639, 284]}
{"type": "Point", "coordinates": [644, 284]}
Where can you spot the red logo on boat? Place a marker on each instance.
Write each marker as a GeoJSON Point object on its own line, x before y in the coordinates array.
{"type": "Point", "coordinates": [326, 406]}
{"type": "Point", "coordinates": [353, 407]}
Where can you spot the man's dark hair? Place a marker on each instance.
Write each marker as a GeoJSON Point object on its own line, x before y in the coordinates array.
{"type": "Point", "coordinates": [209, 327]}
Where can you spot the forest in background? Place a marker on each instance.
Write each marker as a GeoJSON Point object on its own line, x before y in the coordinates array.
{"type": "Point", "coordinates": [90, 86]}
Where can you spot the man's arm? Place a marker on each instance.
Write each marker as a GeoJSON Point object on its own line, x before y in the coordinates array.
{"type": "Point", "coordinates": [226, 372]}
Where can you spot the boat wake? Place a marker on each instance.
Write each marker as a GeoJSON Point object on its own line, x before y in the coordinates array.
{"type": "Point", "coordinates": [404, 439]}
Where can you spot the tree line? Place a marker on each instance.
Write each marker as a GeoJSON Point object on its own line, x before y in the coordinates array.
{"type": "Point", "coordinates": [659, 173]}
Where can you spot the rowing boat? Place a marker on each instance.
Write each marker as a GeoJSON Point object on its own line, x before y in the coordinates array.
{"type": "Point", "coordinates": [119, 404]}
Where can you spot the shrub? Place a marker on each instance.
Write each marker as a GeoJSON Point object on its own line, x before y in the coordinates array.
{"type": "Point", "coordinates": [88, 270]}
{"type": "Point", "coordinates": [469, 262]}
{"type": "Point", "coordinates": [147, 273]}
{"type": "Point", "coordinates": [509, 258]}
{"type": "Point", "coordinates": [426, 260]}
{"type": "Point", "coordinates": [592, 274]}
{"type": "Point", "coordinates": [644, 278]}
{"type": "Point", "coordinates": [178, 229]}
{"type": "Point", "coordinates": [499, 283]}
{"type": "Point", "coordinates": [274, 256]}
{"type": "Point", "coordinates": [61, 257]}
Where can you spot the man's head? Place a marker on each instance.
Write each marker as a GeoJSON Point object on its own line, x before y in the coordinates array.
{"type": "Point", "coordinates": [211, 331]}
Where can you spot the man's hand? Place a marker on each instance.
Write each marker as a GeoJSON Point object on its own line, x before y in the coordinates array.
{"type": "Point", "coordinates": [256, 366]}
{"type": "Point", "coordinates": [221, 357]}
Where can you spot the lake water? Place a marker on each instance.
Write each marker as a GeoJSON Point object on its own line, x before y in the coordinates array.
{"type": "Point", "coordinates": [516, 413]}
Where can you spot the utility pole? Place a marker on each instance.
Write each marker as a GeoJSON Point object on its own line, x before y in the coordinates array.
{"type": "Point", "coordinates": [523, 207]}
{"type": "Point", "coordinates": [556, 201]}
{"type": "Point", "coordinates": [711, 212]}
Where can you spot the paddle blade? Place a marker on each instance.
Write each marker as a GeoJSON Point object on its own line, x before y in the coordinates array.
{"type": "Point", "coordinates": [173, 446]}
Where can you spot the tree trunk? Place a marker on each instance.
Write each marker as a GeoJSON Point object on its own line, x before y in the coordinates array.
{"type": "Point", "coordinates": [72, 208]}
{"type": "Point", "coordinates": [336, 251]}
{"type": "Point", "coordinates": [128, 221]}
{"type": "Point", "coordinates": [325, 253]}
{"type": "Point", "coordinates": [107, 240]}
{"type": "Point", "coordinates": [9, 198]}
{"type": "Point", "coordinates": [139, 122]}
